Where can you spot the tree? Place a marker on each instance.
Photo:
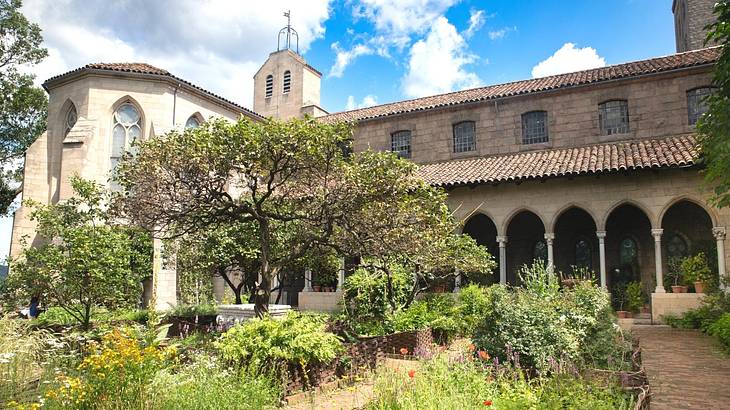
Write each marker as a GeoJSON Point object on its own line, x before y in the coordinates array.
{"type": "Point", "coordinates": [714, 125]}
{"type": "Point", "coordinates": [22, 105]}
{"type": "Point", "coordinates": [296, 183]}
{"type": "Point", "coordinates": [82, 261]}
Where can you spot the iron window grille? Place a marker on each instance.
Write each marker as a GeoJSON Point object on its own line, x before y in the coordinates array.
{"type": "Point", "coordinates": [400, 143]}
{"type": "Point", "coordinates": [465, 136]}
{"type": "Point", "coordinates": [614, 117]}
{"type": "Point", "coordinates": [697, 103]}
{"type": "Point", "coordinates": [534, 127]}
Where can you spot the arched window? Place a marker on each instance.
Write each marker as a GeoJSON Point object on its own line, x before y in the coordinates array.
{"type": "Point", "coordinates": [628, 252]}
{"type": "Point", "coordinates": [697, 103]}
{"type": "Point", "coordinates": [534, 127]}
{"type": "Point", "coordinates": [676, 246]}
{"type": "Point", "coordinates": [400, 143]}
{"type": "Point", "coordinates": [127, 128]}
{"type": "Point", "coordinates": [465, 136]}
{"type": "Point", "coordinates": [287, 81]}
{"type": "Point", "coordinates": [269, 85]}
{"type": "Point", "coordinates": [613, 117]}
{"type": "Point", "coordinates": [539, 251]}
{"type": "Point", "coordinates": [70, 119]}
{"type": "Point", "coordinates": [583, 254]}
{"type": "Point", "coordinates": [192, 122]}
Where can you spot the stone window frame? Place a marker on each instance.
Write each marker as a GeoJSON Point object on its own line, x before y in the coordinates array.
{"type": "Point", "coordinates": [463, 147]}
{"type": "Point", "coordinates": [286, 83]}
{"type": "Point", "coordinates": [602, 113]}
{"type": "Point", "coordinates": [141, 123]}
{"type": "Point", "coordinates": [269, 90]}
{"type": "Point", "coordinates": [67, 125]}
{"type": "Point", "coordinates": [401, 145]}
{"type": "Point", "coordinates": [692, 117]}
{"type": "Point", "coordinates": [528, 129]}
{"type": "Point", "coordinates": [196, 117]}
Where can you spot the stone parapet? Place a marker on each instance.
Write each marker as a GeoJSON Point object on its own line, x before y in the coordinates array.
{"type": "Point", "coordinates": [320, 301]}
{"type": "Point", "coordinates": [663, 304]}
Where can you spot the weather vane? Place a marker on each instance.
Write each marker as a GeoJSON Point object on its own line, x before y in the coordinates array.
{"type": "Point", "coordinates": [288, 32]}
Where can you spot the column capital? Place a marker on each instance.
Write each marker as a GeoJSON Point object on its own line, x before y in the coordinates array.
{"type": "Point", "coordinates": [601, 234]}
{"type": "Point", "coordinates": [719, 232]}
{"type": "Point", "coordinates": [657, 233]}
{"type": "Point", "coordinates": [549, 236]}
{"type": "Point", "coordinates": [502, 240]}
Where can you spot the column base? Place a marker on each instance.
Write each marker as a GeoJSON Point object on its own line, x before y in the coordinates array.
{"type": "Point", "coordinates": [660, 289]}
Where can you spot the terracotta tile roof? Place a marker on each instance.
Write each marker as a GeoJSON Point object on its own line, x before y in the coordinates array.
{"type": "Point", "coordinates": [668, 152]}
{"type": "Point", "coordinates": [596, 75]}
{"type": "Point", "coordinates": [144, 68]}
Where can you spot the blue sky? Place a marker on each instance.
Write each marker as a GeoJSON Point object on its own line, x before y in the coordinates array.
{"type": "Point", "coordinates": [369, 51]}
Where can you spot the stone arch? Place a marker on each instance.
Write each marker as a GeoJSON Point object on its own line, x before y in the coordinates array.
{"type": "Point", "coordinates": [525, 231]}
{"type": "Point", "coordinates": [197, 116]}
{"type": "Point", "coordinates": [566, 208]}
{"type": "Point", "coordinates": [601, 224]}
{"type": "Point", "coordinates": [687, 230]}
{"type": "Point", "coordinates": [63, 113]}
{"type": "Point", "coordinates": [572, 227]}
{"type": "Point", "coordinates": [480, 227]}
{"type": "Point", "coordinates": [131, 100]}
{"type": "Point", "coordinates": [628, 219]}
{"type": "Point", "coordinates": [688, 198]}
{"type": "Point", "coordinates": [511, 216]}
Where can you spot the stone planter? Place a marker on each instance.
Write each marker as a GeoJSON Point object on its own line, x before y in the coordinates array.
{"type": "Point", "coordinates": [699, 287]}
{"type": "Point", "coordinates": [679, 289]}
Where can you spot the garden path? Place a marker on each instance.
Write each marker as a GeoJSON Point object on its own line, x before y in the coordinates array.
{"type": "Point", "coordinates": [687, 369]}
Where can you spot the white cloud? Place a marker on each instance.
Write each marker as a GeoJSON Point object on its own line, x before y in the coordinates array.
{"type": "Point", "coordinates": [438, 63]}
{"type": "Point", "coordinates": [401, 17]}
{"type": "Point", "coordinates": [476, 22]}
{"type": "Point", "coordinates": [568, 59]}
{"type": "Point", "coordinates": [345, 57]}
{"type": "Point", "coordinates": [367, 101]}
{"type": "Point", "coordinates": [218, 45]}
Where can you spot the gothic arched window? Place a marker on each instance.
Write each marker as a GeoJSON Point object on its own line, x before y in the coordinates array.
{"type": "Point", "coordinates": [127, 128]}
{"type": "Point", "coordinates": [70, 119]}
{"type": "Point", "coordinates": [192, 122]}
{"type": "Point", "coordinates": [583, 257]}
{"type": "Point", "coordinates": [628, 251]}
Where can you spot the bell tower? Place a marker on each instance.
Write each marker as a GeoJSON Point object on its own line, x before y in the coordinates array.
{"type": "Point", "coordinates": [286, 86]}
{"type": "Point", "coordinates": [690, 19]}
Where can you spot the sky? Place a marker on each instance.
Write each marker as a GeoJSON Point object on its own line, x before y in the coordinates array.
{"type": "Point", "coordinates": [369, 51]}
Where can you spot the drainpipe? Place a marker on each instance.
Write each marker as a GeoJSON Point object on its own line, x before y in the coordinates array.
{"type": "Point", "coordinates": [174, 104]}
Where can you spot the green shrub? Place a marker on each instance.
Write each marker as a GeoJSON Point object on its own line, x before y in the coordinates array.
{"type": "Point", "coordinates": [438, 384]}
{"type": "Point", "coordinates": [193, 310]}
{"type": "Point", "coordinates": [474, 304]}
{"type": "Point", "coordinates": [207, 385]}
{"type": "Point", "coordinates": [297, 339]}
{"type": "Point", "coordinates": [543, 322]}
{"type": "Point", "coordinates": [721, 330]}
{"type": "Point", "coordinates": [696, 269]}
{"type": "Point", "coordinates": [438, 312]}
{"type": "Point", "coordinates": [634, 297]}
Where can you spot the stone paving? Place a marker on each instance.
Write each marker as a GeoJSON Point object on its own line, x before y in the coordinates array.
{"type": "Point", "coordinates": [687, 369]}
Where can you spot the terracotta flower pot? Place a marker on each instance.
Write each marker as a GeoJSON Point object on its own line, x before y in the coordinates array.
{"type": "Point", "coordinates": [623, 314]}
{"type": "Point", "coordinates": [700, 287]}
{"type": "Point", "coordinates": [316, 288]}
{"type": "Point", "coordinates": [679, 289]}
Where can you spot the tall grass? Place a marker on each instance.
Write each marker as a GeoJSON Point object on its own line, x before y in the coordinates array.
{"type": "Point", "coordinates": [21, 359]}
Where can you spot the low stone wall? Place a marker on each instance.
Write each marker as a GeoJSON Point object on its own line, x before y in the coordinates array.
{"type": "Point", "coordinates": [229, 315]}
{"type": "Point", "coordinates": [663, 304]}
{"type": "Point", "coordinates": [320, 301]}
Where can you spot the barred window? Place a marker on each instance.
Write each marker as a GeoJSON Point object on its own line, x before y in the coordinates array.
{"type": "Point", "coordinates": [613, 117]}
{"type": "Point", "coordinates": [534, 127]}
{"type": "Point", "coordinates": [269, 85]}
{"type": "Point", "coordinates": [697, 103]}
{"type": "Point", "coordinates": [287, 81]}
{"type": "Point", "coordinates": [465, 136]}
{"type": "Point", "coordinates": [400, 143]}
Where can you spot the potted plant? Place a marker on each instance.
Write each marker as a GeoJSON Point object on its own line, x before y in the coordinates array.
{"type": "Point", "coordinates": [634, 297]}
{"type": "Point", "coordinates": [620, 297]}
{"type": "Point", "coordinates": [696, 270]}
{"type": "Point", "coordinates": [675, 276]}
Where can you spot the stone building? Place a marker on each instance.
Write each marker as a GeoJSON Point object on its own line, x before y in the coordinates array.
{"type": "Point", "coordinates": [596, 169]}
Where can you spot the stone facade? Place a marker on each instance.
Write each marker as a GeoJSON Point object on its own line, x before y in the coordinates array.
{"type": "Point", "coordinates": [690, 19]}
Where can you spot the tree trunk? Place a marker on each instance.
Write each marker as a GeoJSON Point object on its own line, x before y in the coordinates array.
{"type": "Point", "coordinates": [263, 292]}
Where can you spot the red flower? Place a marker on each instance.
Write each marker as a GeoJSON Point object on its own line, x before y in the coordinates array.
{"type": "Point", "coordinates": [487, 402]}
{"type": "Point", "coordinates": [403, 351]}
{"type": "Point", "coordinates": [484, 355]}
{"type": "Point", "coordinates": [411, 373]}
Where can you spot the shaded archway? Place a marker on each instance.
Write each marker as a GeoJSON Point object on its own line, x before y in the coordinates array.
{"type": "Point", "coordinates": [629, 248]}
{"type": "Point", "coordinates": [575, 242]}
{"type": "Point", "coordinates": [687, 231]}
{"type": "Point", "coordinates": [525, 243]}
{"type": "Point", "coordinates": [483, 230]}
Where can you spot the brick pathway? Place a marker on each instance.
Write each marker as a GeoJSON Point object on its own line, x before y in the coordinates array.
{"type": "Point", "coordinates": [686, 369]}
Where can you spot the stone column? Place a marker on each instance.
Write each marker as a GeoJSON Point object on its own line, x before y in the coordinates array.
{"type": "Point", "coordinates": [719, 232]}
{"type": "Point", "coordinates": [164, 276]}
{"type": "Point", "coordinates": [549, 238]}
{"type": "Point", "coordinates": [307, 280]}
{"type": "Point", "coordinates": [457, 281]}
{"type": "Point", "coordinates": [657, 234]}
{"type": "Point", "coordinates": [602, 256]}
{"type": "Point", "coordinates": [341, 275]}
{"type": "Point", "coordinates": [502, 259]}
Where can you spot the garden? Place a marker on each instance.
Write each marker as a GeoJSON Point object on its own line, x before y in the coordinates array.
{"type": "Point", "coordinates": [254, 204]}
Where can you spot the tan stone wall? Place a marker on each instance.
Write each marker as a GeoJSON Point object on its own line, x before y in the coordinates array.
{"type": "Point", "coordinates": [305, 85]}
{"type": "Point", "coordinates": [690, 19]}
{"type": "Point", "coordinates": [675, 304]}
{"type": "Point", "coordinates": [657, 107]}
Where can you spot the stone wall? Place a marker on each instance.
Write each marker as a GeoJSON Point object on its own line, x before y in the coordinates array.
{"type": "Point", "coordinates": [690, 19]}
